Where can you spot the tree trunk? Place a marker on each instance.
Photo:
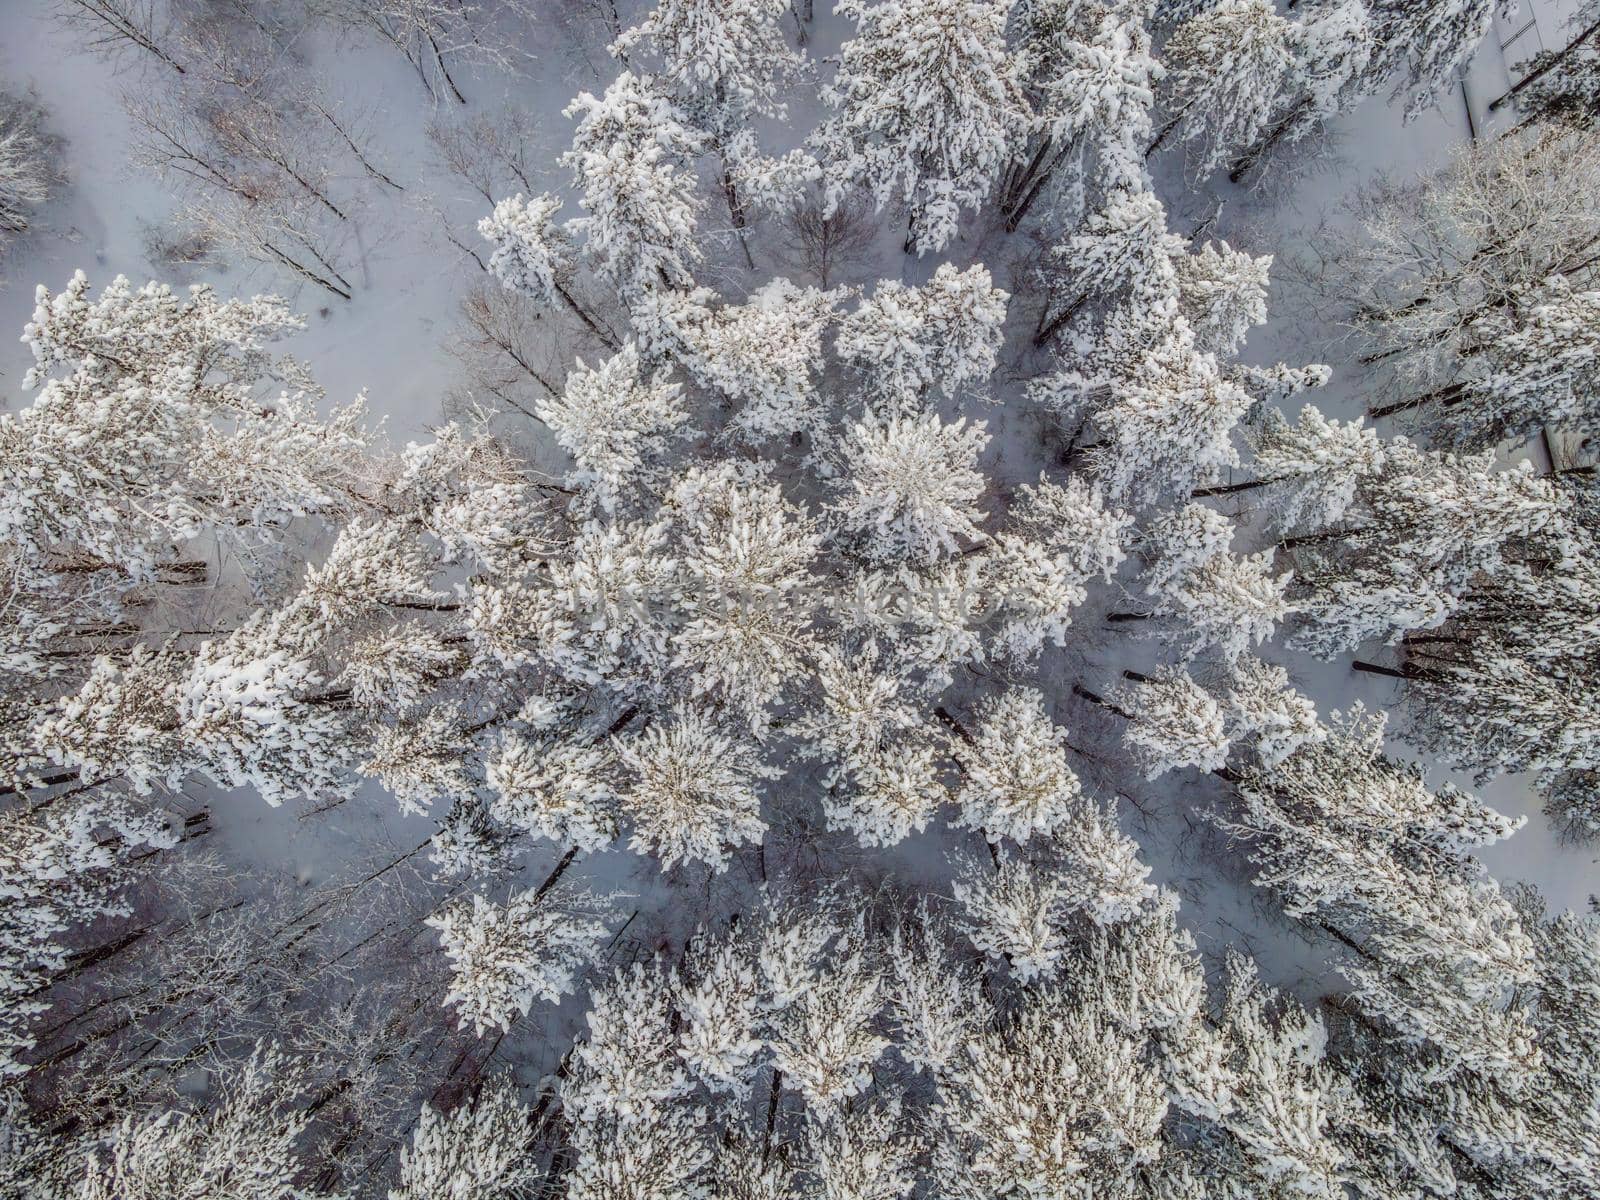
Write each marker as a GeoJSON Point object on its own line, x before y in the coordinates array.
{"type": "Point", "coordinates": [1560, 57]}
{"type": "Point", "coordinates": [1403, 672]}
{"type": "Point", "coordinates": [730, 192]}
{"type": "Point", "coordinates": [772, 1113]}
{"type": "Point", "coordinates": [349, 141]}
{"type": "Point", "coordinates": [1095, 698]}
{"type": "Point", "coordinates": [621, 722]}
{"type": "Point", "coordinates": [1256, 153]}
{"type": "Point", "coordinates": [1048, 329]}
{"type": "Point", "coordinates": [1036, 188]}
{"type": "Point", "coordinates": [551, 879]}
{"type": "Point", "coordinates": [1230, 489]}
{"type": "Point", "coordinates": [438, 57]}
{"type": "Point", "coordinates": [956, 726]}
{"type": "Point", "coordinates": [1445, 395]}
{"type": "Point", "coordinates": [304, 271]}
{"type": "Point", "coordinates": [1166, 131]}
{"type": "Point", "coordinates": [605, 335]}
{"type": "Point", "coordinates": [1311, 539]}
{"type": "Point", "coordinates": [1021, 183]}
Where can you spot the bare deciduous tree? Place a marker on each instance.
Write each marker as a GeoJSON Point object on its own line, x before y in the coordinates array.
{"type": "Point", "coordinates": [112, 27]}
{"type": "Point", "coordinates": [823, 243]}
{"type": "Point", "coordinates": [28, 167]}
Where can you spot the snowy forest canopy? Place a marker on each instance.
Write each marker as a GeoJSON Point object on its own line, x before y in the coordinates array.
{"type": "Point", "coordinates": [898, 620]}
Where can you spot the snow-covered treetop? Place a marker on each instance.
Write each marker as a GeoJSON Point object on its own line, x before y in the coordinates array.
{"type": "Point", "coordinates": [630, 157]}
{"type": "Point", "coordinates": [723, 60]}
{"type": "Point", "coordinates": [906, 340]}
{"type": "Point", "coordinates": [617, 423]}
{"type": "Point", "coordinates": [504, 957]}
{"type": "Point", "coordinates": [157, 420]}
{"type": "Point", "coordinates": [765, 353]}
{"type": "Point", "coordinates": [911, 486]}
{"type": "Point", "coordinates": [928, 108]}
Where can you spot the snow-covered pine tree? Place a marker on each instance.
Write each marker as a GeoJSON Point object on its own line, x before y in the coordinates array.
{"type": "Point", "coordinates": [905, 341]}
{"type": "Point", "coordinates": [596, 617]}
{"type": "Point", "coordinates": [745, 558]}
{"type": "Point", "coordinates": [156, 424]}
{"type": "Point", "coordinates": [867, 1151]}
{"type": "Point", "coordinates": [1062, 537]}
{"type": "Point", "coordinates": [1330, 48]}
{"type": "Point", "coordinates": [630, 159]}
{"type": "Point", "coordinates": [629, 1133]}
{"type": "Point", "coordinates": [910, 487]}
{"type": "Point", "coordinates": [1222, 293]}
{"type": "Point", "coordinates": [1435, 942]}
{"type": "Point", "coordinates": [1538, 370]}
{"type": "Point", "coordinates": [421, 758]}
{"type": "Point", "coordinates": [1448, 267]}
{"type": "Point", "coordinates": [1314, 466]}
{"type": "Point", "coordinates": [1214, 600]}
{"type": "Point", "coordinates": [928, 108]}
{"type": "Point", "coordinates": [474, 498]}
{"type": "Point", "coordinates": [616, 422]}
{"type": "Point", "coordinates": [251, 712]}
{"type": "Point", "coordinates": [555, 787]}
{"type": "Point", "coordinates": [533, 256]}
{"type": "Point", "coordinates": [936, 1000]}
{"type": "Point", "coordinates": [1286, 1101]}
{"type": "Point", "coordinates": [689, 788]}
{"type": "Point", "coordinates": [1073, 519]}
{"type": "Point", "coordinates": [1427, 44]}
{"type": "Point", "coordinates": [1182, 543]}
{"type": "Point", "coordinates": [247, 1143]}
{"type": "Point", "coordinates": [1266, 710]}
{"type": "Point", "coordinates": [505, 956]}
{"type": "Point", "coordinates": [1228, 67]}
{"type": "Point", "coordinates": [826, 1039]}
{"type": "Point", "coordinates": [1428, 525]}
{"type": "Point", "coordinates": [468, 844]}
{"type": "Point", "coordinates": [1124, 1032]}
{"type": "Point", "coordinates": [1173, 722]}
{"type": "Point", "coordinates": [1539, 1138]}
{"type": "Point", "coordinates": [394, 670]}
{"type": "Point", "coordinates": [929, 620]}
{"type": "Point", "coordinates": [765, 354]}
{"type": "Point", "coordinates": [723, 62]}
{"type": "Point", "coordinates": [1169, 425]}
{"type": "Point", "coordinates": [1120, 251]}
{"type": "Point", "coordinates": [1015, 911]}
{"type": "Point", "coordinates": [1015, 781]}
{"type": "Point", "coordinates": [480, 1150]}
{"type": "Point", "coordinates": [121, 722]}
{"type": "Point", "coordinates": [1091, 76]}
{"type": "Point", "coordinates": [1572, 802]}
{"type": "Point", "coordinates": [1509, 685]}
{"type": "Point", "coordinates": [717, 993]}
{"type": "Point", "coordinates": [884, 776]}
{"type": "Point", "coordinates": [64, 867]}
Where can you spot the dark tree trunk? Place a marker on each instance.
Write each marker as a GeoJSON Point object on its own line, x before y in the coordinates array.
{"type": "Point", "coordinates": [1559, 58]}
